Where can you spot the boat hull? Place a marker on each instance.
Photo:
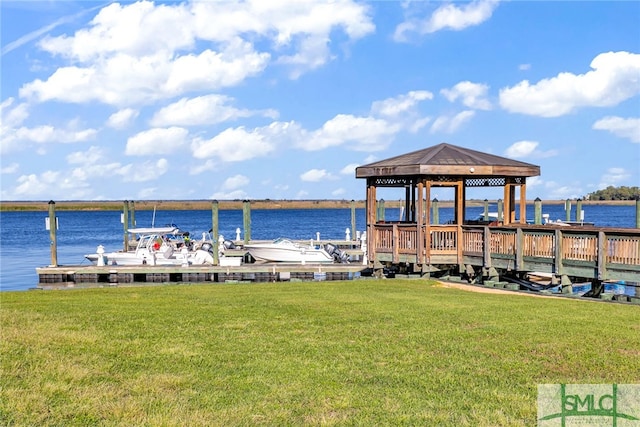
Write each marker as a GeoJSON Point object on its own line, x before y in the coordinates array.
{"type": "Point", "coordinates": [278, 253]}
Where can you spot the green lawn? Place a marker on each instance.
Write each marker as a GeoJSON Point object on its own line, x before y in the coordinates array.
{"type": "Point", "coordinates": [364, 352]}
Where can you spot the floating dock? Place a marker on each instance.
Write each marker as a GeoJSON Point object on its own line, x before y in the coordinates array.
{"type": "Point", "coordinates": [71, 276]}
{"type": "Point", "coordinates": [114, 275]}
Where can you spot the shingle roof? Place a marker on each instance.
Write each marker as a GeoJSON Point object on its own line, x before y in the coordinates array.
{"type": "Point", "coordinates": [447, 159]}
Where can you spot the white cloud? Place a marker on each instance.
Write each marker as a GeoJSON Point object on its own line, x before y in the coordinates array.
{"type": "Point", "coordinates": [156, 141]}
{"type": "Point", "coordinates": [143, 52]}
{"type": "Point", "coordinates": [209, 165]}
{"type": "Point", "coordinates": [447, 16]}
{"type": "Point", "coordinates": [624, 128]}
{"type": "Point", "coordinates": [392, 107]}
{"type": "Point", "coordinates": [613, 79]}
{"type": "Point", "coordinates": [613, 177]}
{"type": "Point", "coordinates": [231, 195]}
{"type": "Point", "coordinates": [203, 110]}
{"type": "Point", "coordinates": [523, 149]}
{"type": "Point", "coordinates": [338, 192]}
{"type": "Point", "coordinates": [374, 132]}
{"type": "Point", "coordinates": [473, 95]}
{"type": "Point", "coordinates": [524, 67]}
{"type": "Point", "coordinates": [148, 171]}
{"type": "Point", "coordinates": [12, 117]}
{"type": "Point", "coordinates": [10, 168]}
{"type": "Point", "coordinates": [349, 169]}
{"type": "Point", "coordinates": [90, 157]}
{"type": "Point", "coordinates": [238, 144]}
{"type": "Point", "coordinates": [14, 135]}
{"type": "Point", "coordinates": [122, 118]}
{"type": "Point", "coordinates": [448, 124]}
{"type": "Point", "coordinates": [363, 134]}
{"type": "Point", "coordinates": [50, 184]}
{"type": "Point", "coordinates": [234, 182]}
{"type": "Point", "coordinates": [315, 175]}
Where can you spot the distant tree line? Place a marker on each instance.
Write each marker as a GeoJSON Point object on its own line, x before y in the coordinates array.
{"type": "Point", "coordinates": [616, 193]}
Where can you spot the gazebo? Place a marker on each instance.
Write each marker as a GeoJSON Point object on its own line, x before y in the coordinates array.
{"type": "Point", "coordinates": [416, 240]}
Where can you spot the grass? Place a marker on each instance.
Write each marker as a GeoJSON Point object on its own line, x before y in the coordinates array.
{"type": "Point", "coordinates": [367, 352]}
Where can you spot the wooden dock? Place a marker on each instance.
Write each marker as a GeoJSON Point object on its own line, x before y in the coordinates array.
{"type": "Point", "coordinates": [112, 275]}
{"type": "Point", "coordinates": [598, 253]}
{"type": "Point", "coordinates": [70, 276]}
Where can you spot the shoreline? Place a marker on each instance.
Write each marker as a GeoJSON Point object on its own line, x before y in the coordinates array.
{"type": "Point", "coordinates": [116, 205]}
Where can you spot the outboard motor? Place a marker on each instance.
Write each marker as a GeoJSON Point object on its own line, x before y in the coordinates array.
{"type": "Point", "coordinates": [337, 254]}
{"type": "Point", "coordinates": [228, 244]}
{"type": "Point", "coordinates": [206, 246]}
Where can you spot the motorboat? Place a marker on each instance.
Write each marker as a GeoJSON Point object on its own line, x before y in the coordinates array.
{"type": "Point", "coordinates": [285, 250]}
{"type": "Point", "coordinates": [154, 247]}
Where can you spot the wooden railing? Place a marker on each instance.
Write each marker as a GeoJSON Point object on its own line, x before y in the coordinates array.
{"type": "Point", "coordinates": [623, 250]}
{"type": "Point", "coordinates": [561, 250]}
{"type": "Point", "coordinates": [443, 239]}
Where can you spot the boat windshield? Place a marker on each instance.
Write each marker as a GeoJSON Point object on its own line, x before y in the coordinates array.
{"type": "Point", "coordinates": [282, 240]}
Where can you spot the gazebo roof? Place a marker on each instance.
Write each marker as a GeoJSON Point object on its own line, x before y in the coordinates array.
{"type": "Point", "coordinates": [447, 159]}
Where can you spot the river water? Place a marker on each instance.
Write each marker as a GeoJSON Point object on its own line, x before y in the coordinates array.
{"type": "Point", "coordinates": [25, 243]}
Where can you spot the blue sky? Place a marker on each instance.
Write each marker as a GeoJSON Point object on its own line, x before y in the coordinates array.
{"type": "Point", "coordinates": [282, 100]}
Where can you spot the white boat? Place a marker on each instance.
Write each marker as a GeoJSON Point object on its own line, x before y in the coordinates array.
{"type": "Point", "coordinates": [285, 250]}
{"type": "Point", "coordinates": [153, 248]}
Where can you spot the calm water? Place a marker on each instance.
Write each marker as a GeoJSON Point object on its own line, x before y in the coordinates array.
{"type": "Point", "coordinates": [24, 242]}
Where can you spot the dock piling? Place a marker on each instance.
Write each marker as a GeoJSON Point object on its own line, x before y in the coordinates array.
{"type": "Point", "coordinates": [246, 218]}
{"type": "Point", "coordinates": [53, 236]}
{"type": "Point", "coordinates": [215, 232]}
{"type": "Point", "coordinates": [132, 213]}
{"type": "Point", "coordinates": [353, 219]}
{"type": "Point", "coordinates": [125, 224]}
{"type": "Point", "coordinates": [537, 216]}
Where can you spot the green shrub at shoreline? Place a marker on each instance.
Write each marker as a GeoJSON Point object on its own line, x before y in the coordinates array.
{"type": "Point", "coordinates": [364, 352]}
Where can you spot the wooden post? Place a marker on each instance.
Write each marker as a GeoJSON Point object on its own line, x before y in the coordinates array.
{"type": "Point", "coordinates": [381, 210]}
{"type": "Point", "coordinates": [638, 219]}
{"type": "Point", "coordinates": [601, 257]}
{"type": "Point", "coordinates": [486, 210]}
{"type": "Point", "coordinates": [559, 268]}
{"type": "Point", "coordinates": [125, 225]}
{"type": "Point", "coordinates": [420, 225]}
{"type": "Point", "coordinates": [407, 203]}
{"type": "Point", "coordinates": [519, 250]}
{"type": "Point", "coordinates": [579, 210]}
{"type": "Point", "coordinates": [215, 231]}
{"type": "Point", "coordinates": [371, 221]}
{"type": "Point", "coordinates": [395, 244]}
{"type": "Point", "coordinates": [506, 213]}
{"type": "Point", "coordinates": [486, 247]}
{"type": "Point", "coordinates": [537, 215]}
{"type": "Point", "coordinates": [436, 212]}
{"type": "Point", "coordinates": [462, 191]}
{"type": "Point", "coordinates": [413, 203]}
{"type": "Point", "coordinates": [53, 233]}
{"type": "Point", "coordinates": [132, 210]}
{"type": "Point", "coordinates": [500, 210]}
{"type": "Point", "coordinates": [353, 220]}
{"type": "Point", "coordinates": [567, 209]}
{"type": "Point", "coordinates": [523, 204]}
{"type": "Point", "coordinates": [246, 220]}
